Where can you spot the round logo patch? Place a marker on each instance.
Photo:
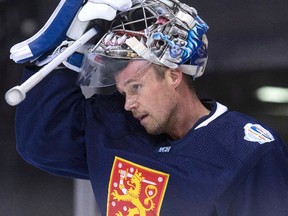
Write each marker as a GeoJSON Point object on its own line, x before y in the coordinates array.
{"type": "Point", "coordinates": [256, 133]}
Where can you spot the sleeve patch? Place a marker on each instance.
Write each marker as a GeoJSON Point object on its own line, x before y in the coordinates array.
{"type": "Point", "coordinates": [256, 133]}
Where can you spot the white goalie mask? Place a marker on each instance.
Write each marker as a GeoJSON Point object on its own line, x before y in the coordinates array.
{"type": "Point", "coordinates": [164, 32]}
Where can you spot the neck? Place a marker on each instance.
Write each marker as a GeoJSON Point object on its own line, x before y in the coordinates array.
{"type": "Point", "coordinates": [188, 112]}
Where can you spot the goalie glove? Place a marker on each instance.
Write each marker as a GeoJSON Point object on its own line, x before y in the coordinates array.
{"type": "Point", "coordinates": [69, 19]}
{"type": "Point", "coordinates": [50, 35]}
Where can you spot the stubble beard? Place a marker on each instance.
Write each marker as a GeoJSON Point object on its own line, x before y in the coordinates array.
{"type": "Point", "coordinates": [163, 124]}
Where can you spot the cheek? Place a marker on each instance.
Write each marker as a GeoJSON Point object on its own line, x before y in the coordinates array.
{"type": "Point", "coordinates": [156, 95]}
{"type": "Point", "coordinates": [160, 98]}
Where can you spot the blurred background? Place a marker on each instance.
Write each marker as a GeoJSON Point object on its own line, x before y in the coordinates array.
{"type": "Point", "coordinates": [247, 71]}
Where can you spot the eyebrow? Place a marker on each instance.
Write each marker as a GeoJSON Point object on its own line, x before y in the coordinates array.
{"type": "Point", "coordinates": [143, 71]}
{"type": "Point", "coordinates": [131, 80]}
{"type": "Point", "coordinates": [125, 84]}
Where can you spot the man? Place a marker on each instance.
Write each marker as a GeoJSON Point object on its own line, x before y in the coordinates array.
{"type": "Point", "coordinates": [171, 153]}
{"type": "Point", "coordinates": [175, 108]}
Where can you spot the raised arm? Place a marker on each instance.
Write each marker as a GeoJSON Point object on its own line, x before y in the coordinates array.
{"type": "Point", "coordinates": [49, 125]}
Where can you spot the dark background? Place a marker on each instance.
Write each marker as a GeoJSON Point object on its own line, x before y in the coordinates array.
{"type": "Point", "coordinates": [248, 48]}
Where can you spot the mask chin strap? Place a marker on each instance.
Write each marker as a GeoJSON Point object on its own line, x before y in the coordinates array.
{"type": "Point", "coordinates": [141, 50]}
{"type": "Point", "coordinates": [192, 70]}
{"type": "Point", "coordinates": [144, 52]}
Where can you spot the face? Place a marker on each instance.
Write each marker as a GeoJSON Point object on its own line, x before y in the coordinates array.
{"type": "Point", "coordinates": [148, 98]}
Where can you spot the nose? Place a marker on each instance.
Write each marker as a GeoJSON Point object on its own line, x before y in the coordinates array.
{"type": "Point", "coordinates": [130, 103]}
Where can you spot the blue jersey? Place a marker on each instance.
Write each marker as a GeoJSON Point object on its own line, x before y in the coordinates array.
{"type": "Point", "coordinates": [227, 164]}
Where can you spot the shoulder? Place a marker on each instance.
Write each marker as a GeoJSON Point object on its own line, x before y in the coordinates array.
{"type": "Point", "coordinates": [235, 139]}
{"type": "Point", "coordinates": [239, 127]}
{"type": "Point", "coordinates": [245, 129]}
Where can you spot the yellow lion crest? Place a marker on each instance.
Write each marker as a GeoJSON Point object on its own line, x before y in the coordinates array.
{"type": "Point", "coordinates": [132, 194]}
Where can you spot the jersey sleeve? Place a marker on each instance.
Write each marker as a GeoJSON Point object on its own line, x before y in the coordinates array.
{"type": "Point", "coordinates": [264, 189]}
{"type": "Point", "coordinates": [50, 125]}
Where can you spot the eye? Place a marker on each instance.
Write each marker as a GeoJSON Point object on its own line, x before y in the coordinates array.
{"type": "Point", "coordinates": [136, 87]}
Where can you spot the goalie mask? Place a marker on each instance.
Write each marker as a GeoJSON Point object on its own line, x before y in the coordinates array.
{"type": "Point", "coordinates": [164, 32]}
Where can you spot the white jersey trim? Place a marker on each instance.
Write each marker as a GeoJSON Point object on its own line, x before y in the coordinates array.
{"type": "Point", "coordinates": [220, 109]}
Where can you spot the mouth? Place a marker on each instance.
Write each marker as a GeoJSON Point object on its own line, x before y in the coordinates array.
{"type": "Point", "coordinates": [141, 117]}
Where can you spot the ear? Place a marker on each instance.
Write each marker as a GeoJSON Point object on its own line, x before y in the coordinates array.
{"type": "Point", "coordinates": [175, 76]}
